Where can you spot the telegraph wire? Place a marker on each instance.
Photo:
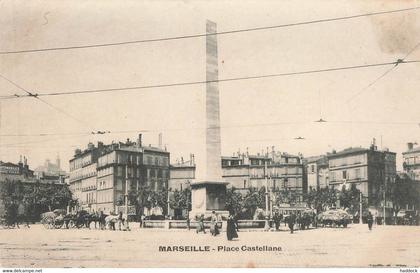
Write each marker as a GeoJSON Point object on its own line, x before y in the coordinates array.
{"type": "Point", "coordinates": [137, 88]}
{"type": "Point", "coordinates": [29, 94]}
{"type": "Point", "coordinates": [82, 134]}
{"type": "Point", "coordinates": [382, 75]}
{"type": "Point", "coordinates": [205, 34]}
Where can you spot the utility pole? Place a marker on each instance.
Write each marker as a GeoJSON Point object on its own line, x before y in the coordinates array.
{"type": "Point", "coordinates": [271, 197]}
{"type": "Point", "coordinates": [360, 208]}
{"type": "Point", "coordinates": [384, 202]}
{"type": "Point", "coordinates": [267, 225]}
{"type": "Point", "coordinates": [126, 196]}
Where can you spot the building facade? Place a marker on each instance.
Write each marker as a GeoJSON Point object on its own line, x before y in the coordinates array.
{"type": "Point", "coordinates": [13, 172]}
{"type": "Point", "coordinates": [99, 175]}
{"type": "Point", "coordinates": [370, 170]}
{"type": "Point", "coordinates": [244, 171]}
{"type": "Point", "coordinates": [411, 162]}
{"type": "Point", "coordinates": [316, 172]}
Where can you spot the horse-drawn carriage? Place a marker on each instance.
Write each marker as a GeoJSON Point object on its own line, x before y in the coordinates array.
{"type": "Point", "coordinates": [334, 218]}
{"type": "Point", "coordinates": [59, 218]}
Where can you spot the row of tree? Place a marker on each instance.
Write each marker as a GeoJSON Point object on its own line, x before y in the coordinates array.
{"type": "Point", "coordinates": [35, 197]}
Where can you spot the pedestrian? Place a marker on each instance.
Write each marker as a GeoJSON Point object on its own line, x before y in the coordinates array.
{"type": "Point", "coordinates": [291, 222]}
{"type": "Point", "coordinates": [27, 214]}
{"type": "Point", "coordinates": [141, 221]}
{"type": "Point", "coordinates": [276, 219]}
{"type": "Point", "coordinates": [20, 214]}
{"type": "Point", "coordinates": [188, 223]}
{"type": "Point", "coordinates": [315, 220]}
{"type": "Point", "coordinates": [214, 230]}
{"type": "Point", "coordinates": [200, 226]}
{"type": "Point", "coordinates": [231, 227]}
{"type": "Point", "coordinates": [120, 220]}
{"type": "Point", "coordinates": [369, 219]}
{"type": "Point", "coordinates": [299, 221]}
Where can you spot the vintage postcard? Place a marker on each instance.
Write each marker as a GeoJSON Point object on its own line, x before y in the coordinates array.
{"type": "Point", "coordinates": [209, 134]}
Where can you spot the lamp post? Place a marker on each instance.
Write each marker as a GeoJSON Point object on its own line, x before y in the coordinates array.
{"type": "Point", "coordinates": [360, 207]}
{"type": "Point", "coordinates": [267, 225]}
{"type": "Point", "coordinates": [126, 197]}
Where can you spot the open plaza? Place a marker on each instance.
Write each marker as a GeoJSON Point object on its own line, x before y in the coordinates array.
{"type": "Point", "coordinates": [355, 246]}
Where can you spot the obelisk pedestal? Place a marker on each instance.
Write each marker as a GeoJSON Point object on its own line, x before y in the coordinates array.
{"type": "Point", "coordinates": [209, 190]}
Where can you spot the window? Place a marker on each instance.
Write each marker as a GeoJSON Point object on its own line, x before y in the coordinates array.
{"type": "Point", "coordinates": [357, 171]}
{"type": "Point", "coordinates": [344, 174]}
{"type": "Point", "coordinates": [312, 168]}
{"type": "Point", "coordinates": [244, 183]}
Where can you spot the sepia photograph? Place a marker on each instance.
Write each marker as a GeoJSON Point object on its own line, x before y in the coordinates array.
{"type": "Point", "coordinates": [209, 134]}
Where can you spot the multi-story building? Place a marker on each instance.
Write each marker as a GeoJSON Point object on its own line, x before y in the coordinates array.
{"type": "Point", "coordinates": [15, 172]}
{"type": "Point", "coordinates": [411, 163]}
{"type": "Point", "coordinates": [98, 175]}
{"type": "Point", "coordinates": [244, 171]}
{"type": "Point", "coordinates": [182, 173]}
{"type": "Point", "coordinates": [82, 177]}
{"type": "Point", "coordinates": [316, 172]}
{"type": "Point", "coordinates": [370, 170]}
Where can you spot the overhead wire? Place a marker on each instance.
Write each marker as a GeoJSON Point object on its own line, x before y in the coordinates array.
{"type": "Point", "coordinates": [206, 34]}
{"type": "Point", "coordinates": [137, 88]}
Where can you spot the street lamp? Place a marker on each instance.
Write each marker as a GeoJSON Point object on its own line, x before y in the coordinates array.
{"type": "Point", "coordinates": [266, 225]}
{"type": "Point", "coordinates": [126, 196]}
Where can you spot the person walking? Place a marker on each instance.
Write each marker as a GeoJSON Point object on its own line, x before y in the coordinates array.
{"type": "Point", "coordinates": [291, 222]}
{"type": "Point", "coordinates": [188, 223]}
{"type": "Point", "coordinates": [120, 220]}
{"type": "Point", "coordinates": [200, 226]}
{"type": "Point", "coordinates": [141, 220]}
{"type": "Point", "coordinates": [231, 227]}
{"type": "Point", "coordinates": [369, 220]}
{"type": "Point", "coordinates": [276, 219]}
{"type": "Point", "coordinates": [20, 214]}
{"type": "Point", "coordinates": [214, 230]}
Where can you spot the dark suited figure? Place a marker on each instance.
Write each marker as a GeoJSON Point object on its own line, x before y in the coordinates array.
{"type": "Point", "coordinates": [369, 219]}
{"type": "Point", "coordinates": [291, 222]}
{"type": "Point", "coordinates": [277, 219]}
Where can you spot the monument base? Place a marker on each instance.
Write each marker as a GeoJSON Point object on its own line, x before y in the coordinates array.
{"type": "Point", "coordinates": [207, 197]}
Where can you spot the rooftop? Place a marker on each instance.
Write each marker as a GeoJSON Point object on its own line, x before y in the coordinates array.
{"type": "Point", "coordinates": [321, 159]}
{"type": "Point", "coordinates": [351, 150]}
{"type": "Point", "coordinates": [414, 150]}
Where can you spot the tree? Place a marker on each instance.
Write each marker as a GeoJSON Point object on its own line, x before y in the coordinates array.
{"type": "Point", "coordinates": [234, 200]}
{"type": "Point", "coordinates": [286, 196]}
{"type": "Point", "coordinates": [180, 200]}
{"type": "Point", "coordinates": [350, 200]}
{"type": "Point", "coordinates": [254, 199]}
{"type": "Point", "coordinates": [404, 192]}
{"type": "Point", "coordinates": [321, 199]}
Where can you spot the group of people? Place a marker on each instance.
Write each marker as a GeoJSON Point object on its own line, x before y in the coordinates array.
{"type": "Point", "coordinates": [15, 214]}
{"type": "Point", "coordinates": [231, 229]}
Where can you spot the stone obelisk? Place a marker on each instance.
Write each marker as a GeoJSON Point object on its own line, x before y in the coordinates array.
{"type": "Point", "coordinates": [209, 190]}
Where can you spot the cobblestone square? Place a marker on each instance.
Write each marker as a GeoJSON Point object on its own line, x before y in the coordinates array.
{"type": "Point", "coordinates": [355, 246]}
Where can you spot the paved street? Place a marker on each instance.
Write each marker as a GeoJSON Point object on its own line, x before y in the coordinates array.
{"type": "Point", "coordinates": [354, 246]}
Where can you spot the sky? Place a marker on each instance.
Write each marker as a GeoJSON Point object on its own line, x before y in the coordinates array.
{"type": "Point", "coordinates": [255, 114]}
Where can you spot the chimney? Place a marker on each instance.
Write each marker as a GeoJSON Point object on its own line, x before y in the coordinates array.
{"type": "Point", "coordinates": [182, 160]}
{"type": "Point", "coordinates": [57, 161]}
{"type": "Point", "coordinates": [247, 153]}
{"type": "Point", "coordinates": [128, 141]}
{"type": "Point", "coordinates": [410, 146]}
{"type": "Point", "coordinates": [193, 159]}
{"type": "Point", "coordinates": [160, 141]}
{"type": "Point", "coordinates": [139, 141]}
